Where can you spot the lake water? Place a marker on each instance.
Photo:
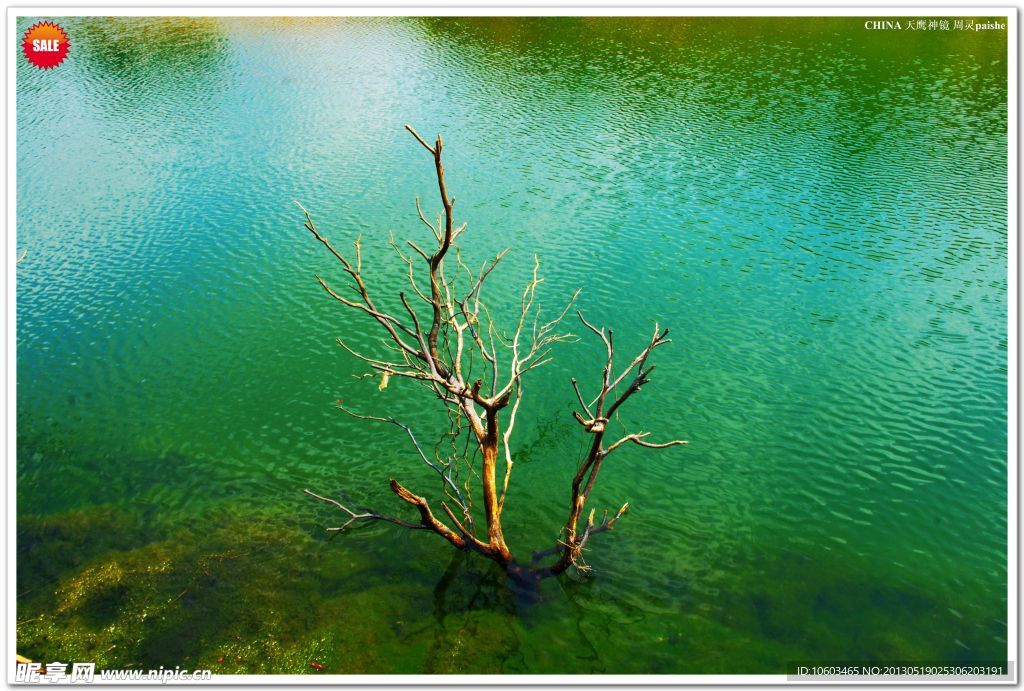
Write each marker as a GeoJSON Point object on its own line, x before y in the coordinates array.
{"type": "Point", "coordinates": [817, 211]}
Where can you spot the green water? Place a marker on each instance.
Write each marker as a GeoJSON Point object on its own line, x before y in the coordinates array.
{"type": "Point", "coordinates": [817, 211]}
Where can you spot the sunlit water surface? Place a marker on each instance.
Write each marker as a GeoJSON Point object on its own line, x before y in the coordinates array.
{"type": "Point", "coordinates": [818, 212]}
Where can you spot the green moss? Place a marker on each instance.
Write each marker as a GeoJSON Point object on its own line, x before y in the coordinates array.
{"type": "Point", "coordinates": [239, 597]}
{"type": "Point", "coordinates": [245, 591]}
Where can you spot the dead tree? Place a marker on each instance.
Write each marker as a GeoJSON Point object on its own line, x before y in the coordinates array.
{"type": "Point", "coordinates": [447, 342]}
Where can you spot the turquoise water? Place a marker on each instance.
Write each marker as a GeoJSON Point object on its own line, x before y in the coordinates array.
{"type": "Point", "coordinates": [818, 212]}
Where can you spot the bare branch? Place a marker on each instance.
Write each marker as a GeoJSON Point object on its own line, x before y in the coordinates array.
{"type": "Point", "coordinates": [605, 525]}
{"type": "Point", "coordinates": [505, 444]}
{"type": "Point", "coordinates": [426, 146]}
{"type": "Point", "coordinates": [419, 449]}
{"type": "Point", "coordinates": [579, 397]}
{"type": "Point", "coordinates": [639, 440]}
{"type": "Point", "coordinates": [674, 442]}
{"type": "Point", "coordinates": [418, 250]}
{"type": "Point", "coordinates": [596, 425]}
{"type": "Point", "coordinates": [364, 516]}
{"type": "Point", "coordinates": [433, 229]}
{"type": "Point", "coordinates": [427, 519]}
{"type": "Point", "coordinates": [367, 305]}
{"type": "Point", "coordinates": [469, 537]}
{"type": "Point", "coordinates": [599, 332]}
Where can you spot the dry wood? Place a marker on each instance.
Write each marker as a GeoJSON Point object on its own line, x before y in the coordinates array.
{"type": "Point", "coordinates": [442, 352]}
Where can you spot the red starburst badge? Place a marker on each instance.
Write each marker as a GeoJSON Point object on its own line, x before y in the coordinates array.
{"type": "Point", "coordinates": [46, 45]}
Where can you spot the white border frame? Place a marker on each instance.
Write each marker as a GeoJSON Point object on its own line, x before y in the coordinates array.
{"type": "Point", "coordinates": [566, 8]}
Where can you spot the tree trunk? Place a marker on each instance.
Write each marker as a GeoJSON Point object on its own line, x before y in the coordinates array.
{"type": "Point", "coordinates": [489, 449]}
